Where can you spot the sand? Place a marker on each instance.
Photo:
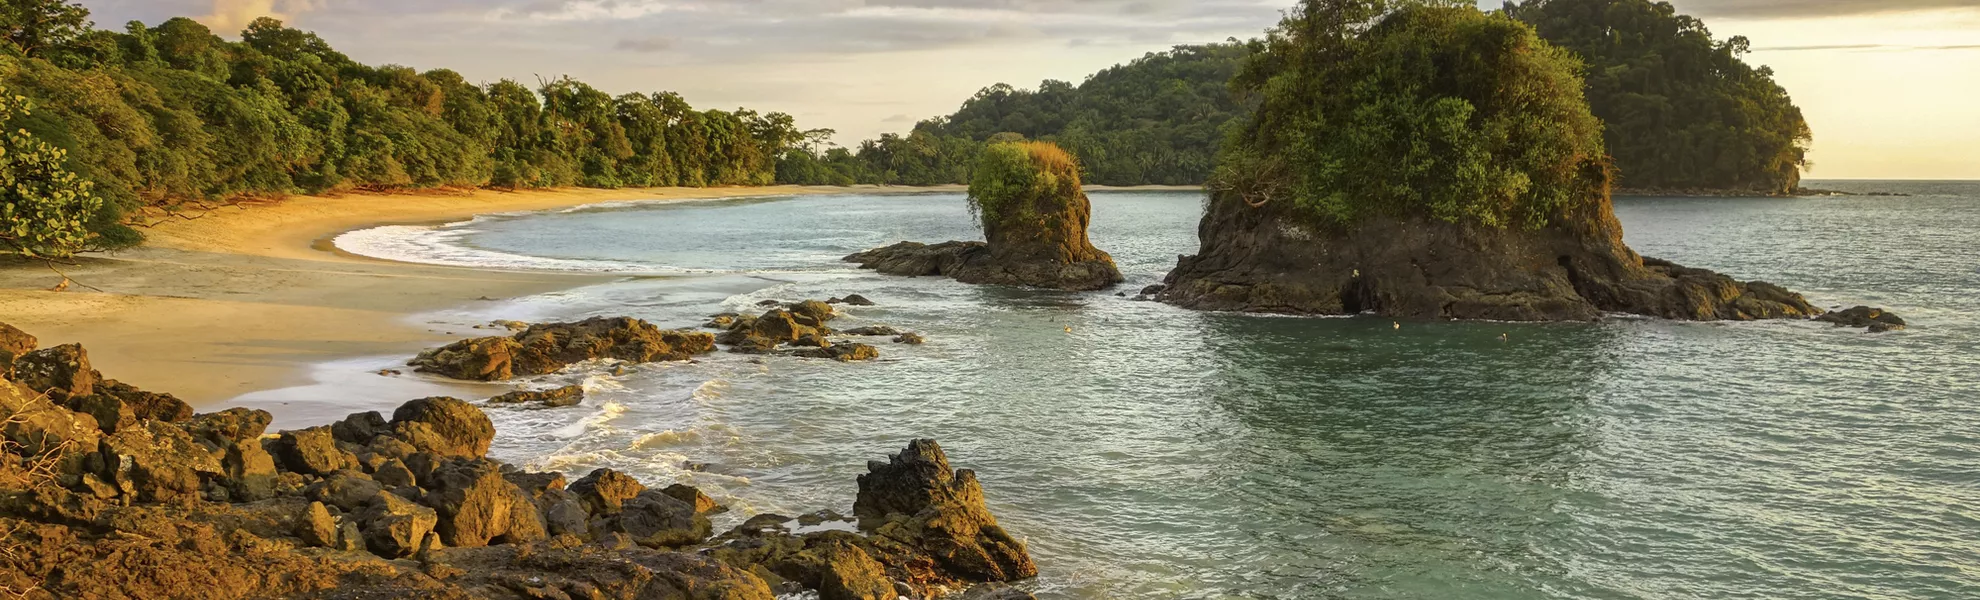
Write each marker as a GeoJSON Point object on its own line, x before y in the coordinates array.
{"type": "Point", "coordinates": [247, 299]}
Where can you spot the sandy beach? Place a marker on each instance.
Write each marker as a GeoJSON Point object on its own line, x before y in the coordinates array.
{"type": "Point", "coordinates": [244, 299]}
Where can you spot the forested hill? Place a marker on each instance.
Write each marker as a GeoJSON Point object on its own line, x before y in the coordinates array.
{"type": "Point", "coordinates": [1156, 120]}
{"type": "Point", "coordinates": [1682, 111]}
{"type": "Point", "coordinates": [171, 112]}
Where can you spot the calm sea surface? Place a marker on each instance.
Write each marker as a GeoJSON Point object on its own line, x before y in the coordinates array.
{"type": "Point", "coordinates": [1153, 452]}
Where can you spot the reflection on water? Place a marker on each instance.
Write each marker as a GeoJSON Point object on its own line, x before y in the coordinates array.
{"type": "Point", "coordinates": [1150, 452]}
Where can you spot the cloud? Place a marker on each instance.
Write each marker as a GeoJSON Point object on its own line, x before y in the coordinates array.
{"type": "Point", "coordinates": [235, 15]}
{"type": "Point", "coordinates": [650, 44]}
{"type": "Point", "coordinates": [1812, 8]}
{"type": "Point", "coordinates": [1887, 47]}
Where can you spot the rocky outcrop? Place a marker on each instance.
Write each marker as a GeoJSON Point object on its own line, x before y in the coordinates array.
{"type": "Point", "coordinates": [1873, 319]}
{"type": "Point", "coordinates": [1034, 215]}
{"type": "Point", "coordinates": [412, 507]}
{"type": "Point", "coordinates": [1268, 259]}
{"type": "Point", "coordinates": [547, 348]}
{"type": "Point", "coordinates": [61, 372]}
{"type": "Point", "coordinates": [569, 395]}
{"type": "Point", "coordinates": [13, 344]}
{"type": "Point", "coordinates": [797, 330]}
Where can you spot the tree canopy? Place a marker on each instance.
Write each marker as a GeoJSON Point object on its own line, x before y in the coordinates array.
{"type": "Point", "coordinates": [42, 205]}
{"type": "Point", "coordinates": [159, 114]}
{"type": "Point", "coordinates": [1427, 109]}
{"type": "Point", "coordinates": [1682, 109]}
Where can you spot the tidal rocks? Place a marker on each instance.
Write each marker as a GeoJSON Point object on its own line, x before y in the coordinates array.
{"type": "Point", "coordinates": [444, 426]}
{"type": "Point", "coordinates": [842, 352]}
{"type": "Point", "coordinates": [656, 520]}
{"type": "Point", "coordinates": [604, 491]}
{"type": "Point", "coordinates": [13, 344]}
{"type": "Point", "coordinates": [393, 527]}
{"type": "Point", "coordinates": [476, 505]}
{"type": "Point", "coordinates": [872, 331]}
{"type": "Point", "coordinates": [61, 372]}
{"type": "Point", "coordinates": [316, 527]}
{"type": "Point", "coordinates": [915, 498]}
{"type": "Point", "coordinates": [547, 348]}
{"type": "Point", "coordinates": [158, 462]}
{"type": "Point", "coordinates": [569, 395]}
{"type": "Point", "coordinates": [909, 338]}
{"type": "Point", "coordinates": [852, 300]}
{"type": "Point", "coordinates": [311, 451]}
{"type": "Point", "coordinates": [1874, 319]}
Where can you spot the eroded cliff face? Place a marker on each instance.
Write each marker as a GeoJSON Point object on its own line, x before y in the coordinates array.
{"type": "Point", "coordinates": [1265, 259]}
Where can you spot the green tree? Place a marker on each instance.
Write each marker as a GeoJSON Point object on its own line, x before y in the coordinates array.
{"type": "Point", "coordinates": [44, 208]}
{"type": "Point", "coordinates": [34, 26]}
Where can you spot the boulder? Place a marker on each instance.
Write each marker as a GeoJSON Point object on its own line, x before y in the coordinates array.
{"type": "Point", "coordinates": [228, 426]}
{"type": "Point", "coordinates": [693, 497]}
{"type": "Point", "coordinates": [346, 489]}
{"type": "Point", "coordinates": [248, 470]}
{"type": "Point", "coordinates": [812, 340]}
{"type": "Point", "coordinates": [568, 395]}
{"type": "Point", "coordinates": [843, 352]}
{"type": "Point", "coordinates": [393, 526]}
{"type": "Point", "coordinates": [916, 499]}
{"type": "Point", "coordinates": [837, 567]}
{"type": "Point", "coordinates": [910, 338]}
{"type": "Point", "coordinates": [13, 344]}
{"type": "Point", "coordinates": [915, 259]}
{"type": "Point", "coordinates": [605, 491]}
{"type": "Point", "coordinates": [1874, 319]}
{"type": "Point", "coordinates": [109, 412]}
{"type": "Point", "coordinates": [311, 451]}
{"type": "Point", "coordinates": [316, 527]}
{"type": "Point", "coordinates": [155, 461]}
{"type": "Point", "coordinates": [475, 505]}
{"type": "Point", "coordinates": [780, 326]}
{"type": "Point", "coordinates": [146, 405]}
{"type": "Point", "coordinates": [393, 473]}
{"type": "Point", "coordinates": [60, 372]}
{"type": "Point", "coordinates": [444, 426]}
{"type": "Point", "coordinates": [563, 513]}
{"type": "Point", "coordinates": [851, 300]}
{"type": "Point", "coordinates": [817, 312]}
{"type": "Point", "coordinates": [41, 430]}
{"type": "Point", "coordinates": [479, 359]}
{"type": "Point", "coordinates": [656, 520]}
{"type": "Point", "coordinates": [360, 428]}
{"type": "Point", "coordinates": [872, 331]}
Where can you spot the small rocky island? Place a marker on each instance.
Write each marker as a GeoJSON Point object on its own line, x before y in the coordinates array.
{"type": "Point", "coordinates": [1027, 197]}
{"type": "Point", "coordinates": [107, 491]}
{"type": "Point", "coordinates": [1496, 205]}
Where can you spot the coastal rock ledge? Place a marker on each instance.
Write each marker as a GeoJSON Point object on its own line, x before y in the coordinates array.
{"type": "Point", "coordinates": [156, 505]}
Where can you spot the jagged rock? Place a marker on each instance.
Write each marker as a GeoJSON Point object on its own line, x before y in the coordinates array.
{"type": "Point", "coordinates": [146, 405]}
{"type": "Point", "coordinates": [916, 499]}
{"type": "Point", "coordinates": [910, 338]}
{"type": "Point", "coordinates": [360, 428]}
{"type": "Point", "coordinates": [722, 321]}
{"type": "Point", "coordinates": [156, 461]}
{"type": "Point", "coordinates": [568, 395]}
{"type": "Point", "coordinates": [693, 497]}
{"type": "Point", "coordinates": [656, 520]}
{"type": "Point", "coordinates": [1874, 319]}
{"type": "Point", "coordinates": [13, 344]}
{"type": "Point", "coordinates": [316, 527]}
{"type": "Point", "coordinates": [249, 471]}
{"type": "Point", "coordinates": [41, 429]}
{"type": "Point", "coordinates": [444, 426]}
{"type": "Point", "coordinates": [349, 537]}
{"type": "Point", "coordinates": [843, 352]}
{"type": "Point", "coordinates": [60, 372]}
{"type": "Point", "coordinates": [812, 340]}
{"type": "Point", "coordinates": [873, 331]}
{"type": "Point", "coordinates": [818, 312]}
{"type": "Point", "coordinates": [851, 300]}
{"type": "Point", "coordinates": [109, 412]}
{"type": "Point", "coordinates": [476, 505]}
{"type": "Point", "coordinates": [311, 451]}
{"type": "Point", "coordinates": [780, 326]}
{"type": "Point", "coordinates": [393, 473]}
{"type": "Point", "coordinates": [563, 514]}
{"type": "Point", "coordinates": [231, 425]}
{"type": "Point", "coordinates": [1154, 290]}
{"type": "Point", "coordinates": [390, 447]}
{"type": "Point", "coordinates": [479, 359]}
{"type": "Point", "coordinates": [605, 491]}
{"type": "Point", "coordinates": [838, 568]}
{"type": "Point", "coordinates": [345, 489]}
{"type": "Point", "coordinates": [393, 526]}
{"type": "Point", "coordinates": [548, 348]}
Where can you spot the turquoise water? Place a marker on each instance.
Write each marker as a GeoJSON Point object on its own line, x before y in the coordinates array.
{"type": "Point", "coordinates": [1152, 452]}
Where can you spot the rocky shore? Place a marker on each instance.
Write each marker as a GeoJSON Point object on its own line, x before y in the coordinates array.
{"type": "Point", "coordinates": [107, 491]}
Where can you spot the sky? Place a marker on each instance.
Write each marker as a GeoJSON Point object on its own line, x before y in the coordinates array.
{"type": "Point", "coordinates": [1890, 87]}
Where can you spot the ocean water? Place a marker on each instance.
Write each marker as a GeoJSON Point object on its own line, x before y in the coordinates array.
{"type": "Point", "coordinates": [1145, 451]}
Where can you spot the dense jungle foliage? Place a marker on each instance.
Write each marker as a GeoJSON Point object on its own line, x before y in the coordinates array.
{"type": "Point", "coordinates": [1423, 109]}
{"type": "Point", "coordinates": [1682, 110]}
{"type": "Point", "coordinates": [152, 115]}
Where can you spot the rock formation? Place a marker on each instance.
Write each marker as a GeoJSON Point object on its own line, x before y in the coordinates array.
{"type": "Point", "coordinates": [1498, 209]}
{"type": "Point", "coordinates": [547, 348]}
{"type": "Point", "coordinates": [799, 329]}
{"type": "Point", "coordinates": [1034, 215]}
{"type": "Point", "coordinates": [207, 506]}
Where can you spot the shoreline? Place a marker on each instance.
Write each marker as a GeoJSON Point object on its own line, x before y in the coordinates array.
{"type": "Point", "coordinates": [249, 299]}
